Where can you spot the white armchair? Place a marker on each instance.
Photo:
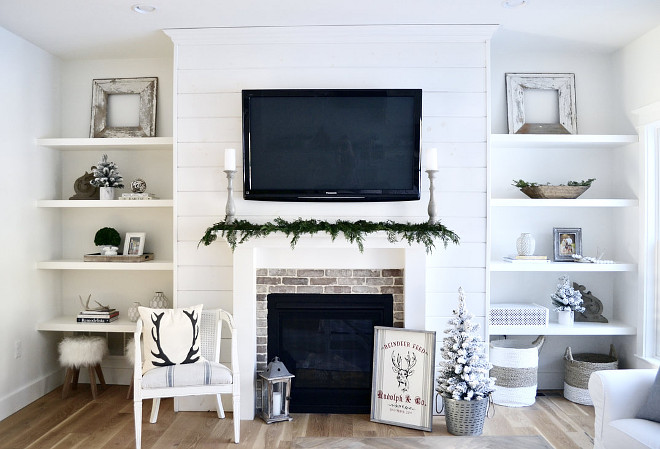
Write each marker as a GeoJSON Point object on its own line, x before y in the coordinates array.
{"type": "Point", "coordinates": [207, 377]}
{"type": "Point", "coordinates": [618, 396]}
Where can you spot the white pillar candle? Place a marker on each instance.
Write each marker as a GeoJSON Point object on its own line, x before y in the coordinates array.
{"type": "Point", "coordinates": [432, 159]}
{"type": "Point", "coordinates": [230, 159]}
{"type": "Point", "coordinates": [277, 403]}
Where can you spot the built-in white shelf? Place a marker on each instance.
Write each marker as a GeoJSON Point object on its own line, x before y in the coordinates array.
{"type": "Point", "coordinates": [76, 264]}
{"type": "Point", "coordinates": [140, 204]}
{"type": "Point", "coordinates": [69, 324]}
{"type": "Point", "coordinates": [113, 143]}
{"type": "Point", "coordinates": [561, 266]}
{"type": "Point", "coordinates": [555, 141]}
{"type": "Point", "coordinates": [578, 328]}
{"type": "Point", "coordinates": [578, 202]}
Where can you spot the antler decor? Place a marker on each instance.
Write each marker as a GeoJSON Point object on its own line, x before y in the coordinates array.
{"type": "Point", "coordinates": [155, 318]}
{"type": "Point", "coordinates": [193, 354]}
{"type": "Point", "coordinates": [85, 304]}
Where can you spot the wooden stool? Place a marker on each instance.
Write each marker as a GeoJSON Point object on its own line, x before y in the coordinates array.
{"type": "Point", "coordinates": [76, 352]}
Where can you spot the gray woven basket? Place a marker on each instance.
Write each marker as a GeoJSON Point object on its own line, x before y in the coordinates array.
{"type": "Point", "coordinates": [578, 369]}
{"type": "Point", "coordinates": [465, 417]}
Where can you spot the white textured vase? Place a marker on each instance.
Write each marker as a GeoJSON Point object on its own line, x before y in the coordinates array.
{"type": "Point", "coordinates": [525, 244]}
{"type": "Point", "coordinates": [565, 317]}
{"type": "Point", "coordinates": [133, 313]}
{"type": "Point", "coordinates": [159, 301]}
{"type": "Point", "coordinates": [107, 193]}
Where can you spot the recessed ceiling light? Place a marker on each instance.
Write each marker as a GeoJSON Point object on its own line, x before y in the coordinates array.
{"type": "Point", "coordinates": [514, 3]}
{"type": "Point", "coordinates": [144, 9]}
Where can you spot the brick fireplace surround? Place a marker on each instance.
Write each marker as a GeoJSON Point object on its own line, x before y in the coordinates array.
{"type": "Point", "coordinates": [317, 265]}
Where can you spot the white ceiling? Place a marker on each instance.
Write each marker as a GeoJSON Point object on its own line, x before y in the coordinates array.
{"type": "Point", "coordinates": [73, 29]}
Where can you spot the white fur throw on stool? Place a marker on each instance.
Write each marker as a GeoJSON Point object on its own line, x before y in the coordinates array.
{"type": "Point", "coordinates": [82, 351]}
{"type": "Point", "coordinates": [130, 351]}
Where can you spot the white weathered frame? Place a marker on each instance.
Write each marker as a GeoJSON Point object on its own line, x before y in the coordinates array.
{"type": "Point", "coordinates": [141, 236]}
{"type": "Point", "coordinates": [145, 87]}
{"type": "Point", "coordinates": [418, 401]}
{"type": "Point", "coordinates": [563, 83]}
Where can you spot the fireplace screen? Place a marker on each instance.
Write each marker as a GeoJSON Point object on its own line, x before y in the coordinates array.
{"type": "Point", "coordinates": [326, 341]}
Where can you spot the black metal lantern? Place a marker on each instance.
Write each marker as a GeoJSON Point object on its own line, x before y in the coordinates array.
{"type": "Point", "coordinates": [275, 392]}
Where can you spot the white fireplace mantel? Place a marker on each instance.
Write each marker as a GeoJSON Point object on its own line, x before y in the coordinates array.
{"type": "Point", "coordinates": [316, 251]}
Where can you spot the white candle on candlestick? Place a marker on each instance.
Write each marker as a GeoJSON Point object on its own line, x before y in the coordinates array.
{"type": "Point", "coordinates": [230, 159]}
{"type": "Point", "coordinates": [432, 159]}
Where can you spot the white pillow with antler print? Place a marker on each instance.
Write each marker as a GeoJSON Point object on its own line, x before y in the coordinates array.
{"type": "Point", "coordinates": [170, 336]}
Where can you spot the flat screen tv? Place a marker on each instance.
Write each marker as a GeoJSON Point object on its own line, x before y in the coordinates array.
{"type": "Point", "coordinates": [332, 145]}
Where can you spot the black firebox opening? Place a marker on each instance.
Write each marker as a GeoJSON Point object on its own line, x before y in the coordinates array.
{"type": "Point", "coordinates": [326, 341]}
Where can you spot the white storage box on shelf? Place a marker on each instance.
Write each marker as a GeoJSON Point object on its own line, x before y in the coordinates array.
{"type": "Point", "coordinates": [518, 315]}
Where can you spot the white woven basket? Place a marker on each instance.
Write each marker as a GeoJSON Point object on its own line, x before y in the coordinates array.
{"type": "Point", "coordinates": [578, 369]}
{"type": "Point", "coordinates": [515, 368]}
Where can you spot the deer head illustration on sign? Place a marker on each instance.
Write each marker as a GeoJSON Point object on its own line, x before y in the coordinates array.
{"type": "Point", "coordinates": [403, 372]}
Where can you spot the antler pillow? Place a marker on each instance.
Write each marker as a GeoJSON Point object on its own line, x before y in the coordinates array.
{"type": "Point", "coordinates": [170, 336]}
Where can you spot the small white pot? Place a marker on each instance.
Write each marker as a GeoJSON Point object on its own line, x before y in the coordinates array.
{"type": "Point", "coordinates": [106, 193]}
{"type": "Point", "coordinates": [565, 317]}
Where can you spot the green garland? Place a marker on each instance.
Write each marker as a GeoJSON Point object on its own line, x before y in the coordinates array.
{"type": "Point", "coordinates": [241, 231]}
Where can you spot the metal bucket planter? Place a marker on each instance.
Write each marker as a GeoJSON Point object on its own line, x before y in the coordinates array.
{"type": "Point", "coordinates": [465, 417]}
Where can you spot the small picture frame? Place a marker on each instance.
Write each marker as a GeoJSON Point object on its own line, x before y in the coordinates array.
{"type": "Point", "coordinates": [567, 243]}
{"type": "Point", "coordinates": [145, 88]}
{"type": "Point", "coordinates": [134, 243]}
{"type": "Point", "coordinates": [403, 377]}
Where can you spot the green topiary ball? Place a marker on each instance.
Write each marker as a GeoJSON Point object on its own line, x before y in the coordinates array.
{"type": "Point", "coordinates": [107, 236]}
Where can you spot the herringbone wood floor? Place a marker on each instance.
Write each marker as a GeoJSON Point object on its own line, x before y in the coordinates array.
{"type": "Point", "coordinates": [107, 422]}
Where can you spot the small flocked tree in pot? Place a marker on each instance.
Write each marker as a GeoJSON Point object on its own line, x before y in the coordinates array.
{"type": "Point", "coordinates": [107, 178]}
{"type": "Point", "coordinates": [463, 380]}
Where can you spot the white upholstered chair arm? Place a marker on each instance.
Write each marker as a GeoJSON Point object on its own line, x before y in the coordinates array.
{"type": "Point", "coordinates": [137, 363]}
{"type": "Point", "coordinates": [618, 394]}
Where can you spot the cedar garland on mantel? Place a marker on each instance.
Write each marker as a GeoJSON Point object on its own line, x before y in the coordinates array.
{"type": "Point", "coordinates": [240, 231]}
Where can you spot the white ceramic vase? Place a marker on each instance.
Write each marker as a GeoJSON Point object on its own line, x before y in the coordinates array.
{"type": "Point", "coordinates": [565, 317]}
{"type": "Point", "coordinates": [106, 193]}
{"type": "Point", "coordinates": [525, 244]}
{"type": "Point", "coordinates": [133, 313]}
{"type": "Point", "coordinates": [159, 301]}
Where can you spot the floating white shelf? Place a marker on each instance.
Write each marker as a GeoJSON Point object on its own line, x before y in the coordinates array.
{"type": "Point", "coordinates": [105, 204]}
{"type": "Point", "coordinates": [115, 143]}
{"type": "Point", "coordinates": [561, 266]}
{"type": "Point", "coordinates": [69, 324]}
{"type": "Point", "coordinates": [554, 141]}
{"type": "Point", "coordinates": [578, 202]}
{"type": "Point", "coordinates": [76, 264]}
{"type": "Point", "coordinates": [578, 328]}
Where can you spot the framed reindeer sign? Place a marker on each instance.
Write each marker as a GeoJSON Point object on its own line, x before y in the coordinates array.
{"type": "Point", "coordinates": [403, 371]}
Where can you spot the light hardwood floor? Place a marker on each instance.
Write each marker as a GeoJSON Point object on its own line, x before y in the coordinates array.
{"type": "Point", "coordinates": [107, 422]}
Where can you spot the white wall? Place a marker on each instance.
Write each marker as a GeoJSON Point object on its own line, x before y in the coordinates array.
{"type": "Point", "coordinates": [212, 66]}
{"type": "Point", "coordinates": [635, 68]}
{"type": "Point", "coordinates": [29, 88]}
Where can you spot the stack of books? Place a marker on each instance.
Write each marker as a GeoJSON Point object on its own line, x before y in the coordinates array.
{"type": "Point", "coordinates": [138, 196]}
{"type": "Point", "coordinates": [98, 316]}
{"type": "Point", "coordinates": [525, 259]}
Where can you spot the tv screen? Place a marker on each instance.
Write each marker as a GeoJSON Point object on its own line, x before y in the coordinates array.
{"type": "Point", "coordinates": [341, 145]}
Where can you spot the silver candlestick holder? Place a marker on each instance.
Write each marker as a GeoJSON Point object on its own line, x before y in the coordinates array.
{"type": "Point", "coordinates": [230, 209]}
{"type": "Point", "coordinates": [433, 219]}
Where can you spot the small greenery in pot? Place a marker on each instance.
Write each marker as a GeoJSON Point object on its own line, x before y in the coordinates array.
{"type": "Point", "coordinates": [108, 239]}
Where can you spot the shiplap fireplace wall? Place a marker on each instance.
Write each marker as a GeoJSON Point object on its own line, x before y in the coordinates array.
{"type": "Point", "coordinates": [211, 67]}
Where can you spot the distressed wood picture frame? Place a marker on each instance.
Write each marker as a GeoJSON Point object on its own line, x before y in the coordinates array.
{"type": "Point", "coordinates": [563, 83]}
{"type": "Point", "coordinates": [134, 243]}
{"type": "Point", "coordinates": [567, 242]}
{"type": "Point", "coordinates": [403, 377]}
{"type": "Point", "coordinates": [146, 88]}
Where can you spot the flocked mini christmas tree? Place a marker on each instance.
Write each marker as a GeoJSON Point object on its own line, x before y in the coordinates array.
{"type": "Point", "coordinates": [464, 372]}
{"type": "Point", "coordinates": [106, 174]}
